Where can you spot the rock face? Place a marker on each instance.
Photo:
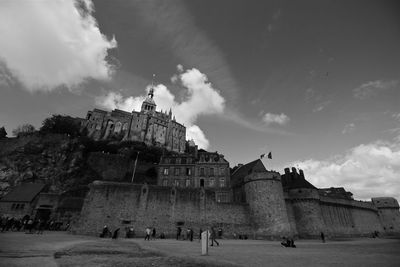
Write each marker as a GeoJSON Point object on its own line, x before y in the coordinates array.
{"type": "Point", "coordinates": [64, 163]}
{"type": "Point", "coordinates": [56, 160]}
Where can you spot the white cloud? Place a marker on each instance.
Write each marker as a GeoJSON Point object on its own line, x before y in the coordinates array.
{"type": "Point", "coordinates": [372, 88]}
{"type": "Point", "coordinates": [368, 170]}
{"type": "Point", "coordinates": [280, 119]}
{"type": "Point", "coordinates": [348, 128]}
{"type": "Point", "coordinates": [46, 44]}
{"type": "Point", "coordinates": [194, 132]}
{"type": "Point", "coordinates": [200, 98]}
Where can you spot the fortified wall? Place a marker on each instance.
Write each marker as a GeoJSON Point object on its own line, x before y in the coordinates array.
{"type": "Point", "coordinates": [120, 205]}
{"type": "Point", "coordinates": [266, 205]}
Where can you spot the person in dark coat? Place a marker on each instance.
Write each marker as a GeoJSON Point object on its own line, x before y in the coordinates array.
{"type": "Point", "coordinates": [105, 231]}
{"type": "Point", "coordinates": [115, 234]}
{"type": "Point", "coordinates": [153, 234]}
{"type": "Point", "coordinates": [178, 233]}
{"type": "Point", "coordinates": [191, 234]}
{"type": "Point", "coordinates": [213, 237]}
{"type": "Point", "coordinates": [322, 237]}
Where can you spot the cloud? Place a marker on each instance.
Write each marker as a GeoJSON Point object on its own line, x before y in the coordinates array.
{"type": "Point", "coordinates": [280, 119]}
{"type": "Point", "coordinates": [348, 128]}
{"type": "Point", "coordinates": [200, 98]}
{"type": "Point", "coordinates": [368, 170]}
{"type": "Point", "coordinates": [46, 44]}
{"type": "Point", "coordinates": [372, 88]}
{"type": "Point", "coordinates": [396, 116]}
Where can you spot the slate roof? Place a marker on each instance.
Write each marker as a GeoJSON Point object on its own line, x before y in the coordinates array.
{"type": "Point", "coordinates": [23, 193]}
{"type": "Point", "coordinates": [241, 172]}
{"type": "Point", "coordinates": [293, 182]}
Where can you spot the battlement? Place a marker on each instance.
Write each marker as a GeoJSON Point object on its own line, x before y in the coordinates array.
{"type": "Point", "coordinates": [293, 179]}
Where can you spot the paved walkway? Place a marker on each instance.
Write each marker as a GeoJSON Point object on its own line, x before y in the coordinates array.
{"type": "Point", "coordinates": [358, 252]}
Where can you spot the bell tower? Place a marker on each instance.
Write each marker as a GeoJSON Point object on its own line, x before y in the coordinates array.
{"type": "Point", "coordinates": [148, 105]}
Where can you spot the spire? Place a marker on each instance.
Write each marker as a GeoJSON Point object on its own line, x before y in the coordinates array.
{"type": "Point", "coordinates": [151, 91]}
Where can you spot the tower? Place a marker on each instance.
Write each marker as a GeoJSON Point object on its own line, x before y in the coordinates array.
{"type": "Point", "coordinates": [148, 105]}
{"type": "Point", "coordinates": [264, 195]}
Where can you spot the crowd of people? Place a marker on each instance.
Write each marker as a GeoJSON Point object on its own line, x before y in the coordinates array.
{"type": "Point", "coordinates": [30, 225]}
{"type": "Point", "coordinates": [151, 234]}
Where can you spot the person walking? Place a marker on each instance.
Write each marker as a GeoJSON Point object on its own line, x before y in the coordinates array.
{"type": "Point", "coordinates": [153, 234]}
{"type": "Point", "coordinates": [148, 232]}
{"type": "Point", "coordinates": [213, 237]}
{"type": "Point", "coordinates": [178, 233]}
{"type": "Point", "coordinates": [322, 237]}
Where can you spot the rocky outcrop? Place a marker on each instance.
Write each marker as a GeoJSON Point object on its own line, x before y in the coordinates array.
{"type": "Point", "coordinates": [56, 160]}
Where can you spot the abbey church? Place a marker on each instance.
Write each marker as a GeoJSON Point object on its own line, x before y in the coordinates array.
{"type": "Point", "coordinates": [152, 127]}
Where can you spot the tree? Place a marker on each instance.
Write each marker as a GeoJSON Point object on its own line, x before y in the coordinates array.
{"type": "Point", "coordinates": [61, 125]}
{"type": "Point", "coordinates": [24, 129]}
{"type": "Point", "coordinates": [3, 133]}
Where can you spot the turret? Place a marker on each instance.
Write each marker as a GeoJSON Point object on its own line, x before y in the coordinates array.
{"type": "Point", "coordinates": [264, 194]}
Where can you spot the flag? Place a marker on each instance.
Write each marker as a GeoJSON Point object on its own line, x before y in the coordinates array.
{"type": "Point", "coordinates": [262, 155]}
{"type": "Point", "coordinates": [270, 155]}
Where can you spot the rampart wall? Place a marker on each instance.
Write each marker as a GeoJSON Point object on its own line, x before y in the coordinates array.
{"type": "Point", "coordinates": [120, 205]}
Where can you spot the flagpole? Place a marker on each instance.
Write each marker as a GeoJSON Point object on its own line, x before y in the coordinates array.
{"type": "Point", "coordinates": [134, 168]}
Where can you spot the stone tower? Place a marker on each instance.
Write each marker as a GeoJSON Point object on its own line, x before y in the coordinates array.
{"type": "Point", "coordinates": [148, 105]}
{"type": "Point", "coordinates": [264, 195]}
{"type": "Point", "coordinates": [388, 209]}
{"type": "Point", "coordinates": [305, 202]}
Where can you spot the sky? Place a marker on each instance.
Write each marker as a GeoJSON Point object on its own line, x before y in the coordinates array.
{"type": "Point", "coordinates": [314, 82]}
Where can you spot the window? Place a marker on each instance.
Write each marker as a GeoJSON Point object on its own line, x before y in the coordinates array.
{"type": "Point", "coordinates": [22, 206]}
{"type": "Point", "coordinates": [188, 171]}
{"type": "Point", "coordinates": [165, 182]}
{"type": "Point", "coordinates": [166, 171]}
{"type": "Point", "coordinates": [176, 171]}
{"type": "Point", "coordinates": [13, 206]}
{"type": "Point", "coordinates": [222, 182]}
{"type": "Point", "coordinates": [183, 160]}
{"type": "Point", "coordinates": [201, 182]}
{"type": "Point", "coordinates": [201, 171]}
{"type": "Point", "coordinates": [187, 182]}
{"type": "Point", "coordinates": [17, 207]}
{"type": "Point", "coordinates": [211, 171]}
{"type": "Point", "coordinates": [211, 182]}
{"type": "Point", "coordinates": [222, 171]}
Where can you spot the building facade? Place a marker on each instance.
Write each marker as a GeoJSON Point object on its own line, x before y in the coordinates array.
{"type": "Point", "coordinates": [154, 128]}
{"type": "Point", "coordinates": [199, 168]}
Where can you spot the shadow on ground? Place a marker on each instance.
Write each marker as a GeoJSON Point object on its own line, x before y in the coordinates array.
{"type": "Point", "coordinates": [115, 253]}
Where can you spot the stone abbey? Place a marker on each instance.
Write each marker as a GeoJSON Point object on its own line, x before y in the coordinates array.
{"type": "Point", "coordinates": [152, 127]}
{"type": "Point", "coordinates": [195, 188]}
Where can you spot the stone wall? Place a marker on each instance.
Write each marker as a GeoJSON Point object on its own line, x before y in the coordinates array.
{"type": "Point", "coordinates": [264, 194]}
{"type": "Point", "coordinates": [120, 205]}
{"type": "Point", "coordinates": [307, 212]}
